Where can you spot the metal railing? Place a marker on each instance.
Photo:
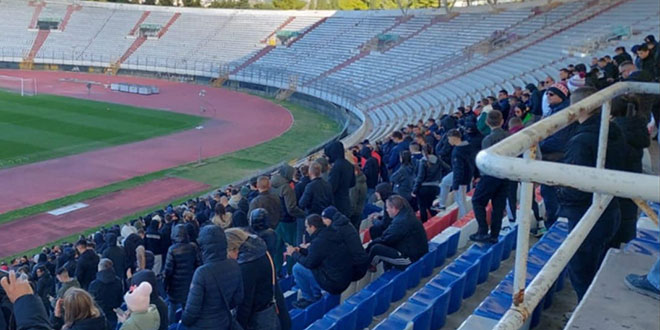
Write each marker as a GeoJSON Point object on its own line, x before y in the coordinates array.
{"type": "Point", "coordinates": [501, 161]}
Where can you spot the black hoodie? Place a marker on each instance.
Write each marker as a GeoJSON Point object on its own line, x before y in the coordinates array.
{"type": "Point", "coordinates": [116, 254]}
{"type": "Point", "coordinates": [370, 168]}
{"type": "Point", "coordinates": [107, 290]}
{"type": "Point", "coordinates": [341, 176]}
{"type": "Point", "coordinates": [350, 236]}
{"type": "Point", "coordinates": [257, 280]}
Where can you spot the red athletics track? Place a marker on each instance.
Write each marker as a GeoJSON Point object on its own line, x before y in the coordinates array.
{"type": "Point", "coordinates": [242, 121]}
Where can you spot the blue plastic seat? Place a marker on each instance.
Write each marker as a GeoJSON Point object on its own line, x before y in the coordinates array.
{"type": "Point", "coordinates": [438, 299]}
{"type": "Point", "coordinates": [455, 283]}
{"type": "Point", "coordinates": [314, 311]}
{"type": "Point", "coordinates": [475, 253]}
{"type": "Point", "coordinates": [391, 323]}
{"type": "Point", "coordinates": [507, 240]}
{"type": "Point", "coordinates": [330, 301]}
{"type": "Point", "coordinates": [471, 271]}
{"type": "Point", "coordinates": [324, 324]}
{"type": "Point", "coordinates": [418, 315]}
{"type": "Point", "coordinates": [382, 289]}
{"type": "Point", "coordinates": [414, 273]}
{"type": "Point", "coordinates": [286, 283]}
{"type": "Point", "coordinates": [297, 319]}
{"type": "Point", "coordinates": [452, 243]}
{"type": "Point", "coordinates": [289, 297]}
{"type": "Point", "coordinates": [496, 249]}
{"type": "Point", "coordinates": [494, 306]}
{"type": "Point", "coordinates": [344, 315]}
{"type": "Point", "coordinates": [643, 246]}
{"type": "Point", "coordinates": [399, 280]}
{"type": "Point", "coordinates": [365, 301]}
{"type": "Point", "coordinates": [428, 262]}
{"type": "Point", "coordinates": [647, 234]}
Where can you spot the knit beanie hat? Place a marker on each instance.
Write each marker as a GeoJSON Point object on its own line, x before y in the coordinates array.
{"type": "Point", "coordinates": [329, 212]}
{"type": "Point", "coordinates": [138, 299]}
{"type": "Point", "coordinates": [560, 90]}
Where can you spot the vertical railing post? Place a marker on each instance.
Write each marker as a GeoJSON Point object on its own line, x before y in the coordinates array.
{"type": "Point", "coordinates": [602, 140]}
{"type": "Point", "coordinates": [522, 243]}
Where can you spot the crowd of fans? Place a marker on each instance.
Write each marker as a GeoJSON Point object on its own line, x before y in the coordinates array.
{"type": "Point", "coordinates": [214, 263]}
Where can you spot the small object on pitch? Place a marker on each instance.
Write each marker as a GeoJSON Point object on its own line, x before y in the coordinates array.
{"type": "Point", "coordinates": [68, 208]}
{"type": "Point", "coordinates": [199, 127]}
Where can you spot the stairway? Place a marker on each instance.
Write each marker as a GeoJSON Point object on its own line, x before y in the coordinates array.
{"type": "Point", "coordinates": [134, 46]}
{"type": "Point", "coordinates": [310, 29]}
{"type": "Point", "coordinates": [39, 40]}
{"type": "Point", "coordinates": [38, 6]}
{"type": "Point", "coordinates": [164, 29]}
{"type": "Point", "coordinates": [261, 53]}
{"type": "Point", "coordinates": [139, 22]}
{"type": "Point", "coordinates": [69, 11]}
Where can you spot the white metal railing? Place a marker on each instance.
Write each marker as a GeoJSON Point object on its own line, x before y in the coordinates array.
{"type": "Point", "coordinates": [501, 160]}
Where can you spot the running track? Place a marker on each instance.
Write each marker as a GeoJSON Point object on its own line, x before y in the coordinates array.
{"type": "Point", "coordinates": [242, 121]}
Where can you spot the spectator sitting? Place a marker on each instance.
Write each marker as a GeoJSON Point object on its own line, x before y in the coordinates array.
{"type": "Point", "coordinates": [141, 315]}
{"type": "Point", "coordinates": [320, 264]}
{"type": "Point", "coordinates": [217, 286]}
{"type": "Point", "coordinates": [351, 238]}
{"type": "Point", "coordinates": [380, 220]}
{"type": "Point", "coordinates": [404, 241]}
{"type": "Point", "coordinates": [107, 291]}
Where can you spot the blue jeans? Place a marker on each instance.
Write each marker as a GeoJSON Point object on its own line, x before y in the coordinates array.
{"type": "Point", "coordinates": [654, 274]}
{"type": "Point", "coordinates": [310, 289]}
{"type": "Point", "coordinates": [172, 307]}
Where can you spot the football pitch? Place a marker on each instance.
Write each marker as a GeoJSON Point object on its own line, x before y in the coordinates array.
{"type": "Point", "coordinates": [36, 128]}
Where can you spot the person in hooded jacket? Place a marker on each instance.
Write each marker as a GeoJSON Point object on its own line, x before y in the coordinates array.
{"type": "Point", "coordinates": [625, 110]}
{"type": "Point", "coordinates": [351, 237]}
{"type": "Point", "coordinates": [358, 197]}
{"type": "Point", "coordinates": [107, 291]}
{"type": "Point", "coordinates": [131, 242]}
{"type": "Point", "coordinates": [180, 263]}
{"type": "Point", "coordinates": [217, 286]}
{"type": "Point", "coordinates": [380, 222]}
{"type": "Point", "coordinates": [535, 98]}
{"type": "Point", "coordinates": [370, 169]}
{"type": "Point", "coordinates": [402, 180]}
{"type": "Point", "coordinates": [117, 254]}
{"type": "Point", "coordinates": [154, 244]}
{"type": "Point", "coordinates": [258, 309]}
{"type": "Point", "coordinates": [259, 226]}
{"type": "Point", "coordinates": [582, 149]}
{"type": "Point", "coordinates": [304, 180]}
{"type": "Point", "coordinates": [426, 186]}
{"type": "Point", "coordinates": [404, 241]}
{"type": "Point", "coordinates": [282, 186]}
{"type": "Point", "coordinates": [341, 176]}
{"type": "Point", "coordinates": [154, 298]}
{"type": "Point", "coordinates": [321, 264]}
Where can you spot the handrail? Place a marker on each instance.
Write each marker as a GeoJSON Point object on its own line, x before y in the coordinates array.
{"type": "Point", "coordinates": [501, 161]}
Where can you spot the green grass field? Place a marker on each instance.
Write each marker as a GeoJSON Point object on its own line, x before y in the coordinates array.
{"type": "Point", "coordinates": [310, 128]}
{"type": "Point", "coordinates": [46, 126]}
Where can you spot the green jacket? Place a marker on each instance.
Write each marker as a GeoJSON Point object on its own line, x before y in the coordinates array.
{"type": "Point", "coordinates": [149, 320]}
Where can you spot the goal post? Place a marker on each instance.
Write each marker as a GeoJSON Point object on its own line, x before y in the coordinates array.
{"type": "Point", "coordinates": [22, 86]}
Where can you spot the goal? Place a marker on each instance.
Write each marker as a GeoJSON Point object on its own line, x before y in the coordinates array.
{"type": "Point", "coordinates": [23, 86]}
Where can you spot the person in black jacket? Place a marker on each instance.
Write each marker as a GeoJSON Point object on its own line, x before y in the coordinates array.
{"type": "Point", "coordinates": [625, 110]}
{"type": "Point", "coordinates": [351, 237]}
{"type": "Point", "coordinates": [258, 309]}
{"type": "Point", "coordinates": [320, 264]}
{"type": "Point", "coordinates": [341, 176]}
{"type": "Point", "coordinates": [402, 180]}
{"type": "Point", "coordinates": [582, 150]}
{"type": "Point", "coordinates": [426, 186]}
{"type": "Point", "coordinates": [302, 183]}
{"type": "Point", "coordinates": [131, 242]}
{"type": "Point", "coordinates": [535, 99]}
{"type": "Point", "coordinates": [267, 199]}
{"type": "Point", "coordinates": [154, 298]}
{"type": "Point", "coordinates": [490, 188]}
{"type": "Point", "coordinates": [180, 263]}
{"type": "Point", "coordinates": [153, 243]}
{"type": "Point", "coordinates": [462, 169]}
{"type": "Point", "coordinates": [45, 286]}
{"type": "Point", "coordinates": [116, 254]}
{"type": "Point", "coordinates": [370, 169]}
{"type": "Point", "coordinates": [318, 193]}
{"type": "Point", "coordinates": [86, 265]}
{"type": "Point", "coordinates": [107, 290]}
{"type": "Point", "coordinates": [404, 241]}
{"type": "Point", "coordinates": [380, 222]}
{"type": "Point", "coordinates": [217, 286]}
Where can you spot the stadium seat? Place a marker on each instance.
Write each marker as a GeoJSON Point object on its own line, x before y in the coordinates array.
{"type": "Point", "coordinates": [365, 301]}
{"type": "Point", "coordinates": [414, 273]}
{"type": "Point", "coordinates": [643, 246]}
{"type": "Point", "coordinates": [382, 289]}
{"type": "Point", "coordinates": [411, 313]}
{"type": "Point", "coordinates": [297, 319]}
{"type": "Point", "coordinates": [475, 253]}
{"type": "Point", "coordinates": [345, 316]}
{"type": "Point", "coordinates": [399, 281]}
{"type": "Point", "coordinates": [324, 323]}
{"type": "Point", "coordinates": [471, 271]}
{"type": "Point", "coordinates": [428, 262]}
{"type": "Point", "coordinates": [496, 250]}
{"type": "Point", "coordinates": [441, 252]}
{"type": "Point", "coordinates": [450, 282]}
{"type": "Point", "coordinates": [438, 299]}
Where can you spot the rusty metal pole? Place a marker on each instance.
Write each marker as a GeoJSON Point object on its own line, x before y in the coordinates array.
{"type": "Point", "coordinates": [522, 243]}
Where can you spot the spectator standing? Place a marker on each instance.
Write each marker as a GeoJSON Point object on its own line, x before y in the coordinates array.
{"type": "Point", "coordinates": [341, 176]}
{"type": "Point", "coordinates": [116, 254]}
{"type": "Point", "coordinates": [267, 200]}
{"type": "Point", "coordinates": [180, 263]}
{"type": "Point", "coordinates": [426, 186]}
{"type": "Point", "coordinates": [107, 291]}
{"type": "Point", "coordinates": [87, 264]}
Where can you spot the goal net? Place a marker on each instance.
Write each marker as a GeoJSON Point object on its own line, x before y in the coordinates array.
{"type": "Point", "coordinates": [23, 86]}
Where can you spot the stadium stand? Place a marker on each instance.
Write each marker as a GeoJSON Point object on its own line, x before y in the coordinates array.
{"type": "Point", "coordinates": [387, 69]}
